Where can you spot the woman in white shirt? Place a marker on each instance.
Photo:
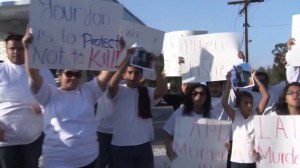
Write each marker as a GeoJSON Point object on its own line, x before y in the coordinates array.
{"type": "Point", "coordinates": [69, 119]}
{"type": "Point", "coordinates": [289, 100]}
{"type": "Point", "coordinates": [196, 104]}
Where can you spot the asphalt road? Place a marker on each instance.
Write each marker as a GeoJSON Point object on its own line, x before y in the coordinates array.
{"type": "Point", "coordinates": [160, 116]}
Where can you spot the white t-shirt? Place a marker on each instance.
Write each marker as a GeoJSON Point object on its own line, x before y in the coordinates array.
{"type": "Point", "coordinates": [105, 113]}
{"type": "Point", "coordinates": [217, 110]}
{"type": "Point", "coordinates": [243, 139]}
{"type": "Point", "coordinates": [21, 125]}
{"type": "Point", "coordinates": [69, 125]}
{"type": "Point", "coordinates": [169, 126]}
{"type": "Point", "coordinates": [130, 129]}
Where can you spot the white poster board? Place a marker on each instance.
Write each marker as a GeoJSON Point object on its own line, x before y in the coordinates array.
{"type": "Point", "coordinates": [200, 143]}
{"type": "Point", "coordinates": [171, 50]}
{"type": "Point", "coordinates": [277, 141]}
{"type": "Point", "coordinates": [75, 34]}
{"type": "Point", "coordinates": [149, 38]}
{"type": "Point", "coordinates": [208, 57]}
{"type": "Point", "coordinates": [292, 56]}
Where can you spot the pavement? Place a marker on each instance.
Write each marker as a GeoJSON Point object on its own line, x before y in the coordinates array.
{"type": "Point", "coordinates": [160, 116]}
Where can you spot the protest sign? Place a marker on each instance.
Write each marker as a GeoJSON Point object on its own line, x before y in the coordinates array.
{"type": "Point", "coordinates": [208, 57]}
{"type": "Point", "coordinates": [200, 143]}
{"type": "Point", "coordinates": [171, 50]}
{"type": "Point", "coordinates": [292, 56]}
{"type": "Point", "coordinates": [277, 141]}
{"type": "Point", "coordinates": [75, 34]}
{"type": "Point", "coordinates": [150, 39]}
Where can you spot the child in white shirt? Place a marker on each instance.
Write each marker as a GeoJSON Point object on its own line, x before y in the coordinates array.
{"type": "Point", "coordinates": [243, 155]}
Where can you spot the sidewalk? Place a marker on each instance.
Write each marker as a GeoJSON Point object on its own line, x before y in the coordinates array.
{"type": "Point", "coordinates": [160, 158]}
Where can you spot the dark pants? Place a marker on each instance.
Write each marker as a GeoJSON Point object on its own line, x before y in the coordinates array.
{"type": "Point", "coordinates": [21, 156]}
{"type": "Point", "coordinates": [105, 152]}
{"type": "Point", "coordinates": [138, 156]}
{"type": "Point", "coordinates": [243, 165]}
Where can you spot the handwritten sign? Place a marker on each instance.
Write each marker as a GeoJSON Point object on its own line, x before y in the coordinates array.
{"type": "Point", "coordinates": [171, 50]}
{"type": "Point", "coordinates": [208, 57]}
{"type": "Point", "coordinates": [149, 38]}
{"type": "Point", "coordinates": [277, 141]}
{"type": "Point", "coordinates": [292, 56]}
{"type": "Point", "coordinates": [200, 143]}
{"type": "Point", "coordinates": [75, 34]}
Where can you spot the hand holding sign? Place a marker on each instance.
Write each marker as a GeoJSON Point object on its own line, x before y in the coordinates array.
{"type": "Point", "coordinates": [290, 43]}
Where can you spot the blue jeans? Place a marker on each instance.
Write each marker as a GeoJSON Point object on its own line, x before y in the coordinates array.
{"type": "Point", "coordinates": [243, 165]}
{"type": "Point", "coordinates": [105, 154]}
{"type": "Point", "coordinates": [21, 156]}
{"type": "Point", "coordinates": [137, 156]}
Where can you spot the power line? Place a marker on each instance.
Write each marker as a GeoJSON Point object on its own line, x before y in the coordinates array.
{"type": "Point", "coordinates": [246, 25]}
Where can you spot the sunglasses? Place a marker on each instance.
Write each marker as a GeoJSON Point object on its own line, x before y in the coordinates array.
{"type": "Point", "coordinates": [194, 93]}
{"type": "Point", "coordinates": [70, 74]}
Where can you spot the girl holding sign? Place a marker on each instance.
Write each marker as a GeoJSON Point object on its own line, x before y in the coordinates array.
{"type": "Point", "coordinates": [289, 100]}
{"type": "Point", "coordinates": [243, 154]}
{"type": "Point", "coordinates": [197, 104]}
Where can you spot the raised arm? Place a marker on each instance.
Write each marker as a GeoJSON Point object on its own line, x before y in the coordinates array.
{"type": "Point", "coordinates": [103, 78]}
{"type": "Point", "coordinates": [227, 108]}
{"type": "Point", "coordinates": [161, 83]}
{"type": "Point", "coordinates": [264, 93]}
{"type": "Point", "coordinates": [290, 43]}
{"type": "Point", "coordinates": [36, 79]}
{"type": "Point", "coordinates": [113, 84]}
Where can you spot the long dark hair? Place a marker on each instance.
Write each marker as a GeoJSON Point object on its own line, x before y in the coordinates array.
{"type": "Point", "coordinates": [188, 103]}
{"type": "Point", "coordinates": [281, 107]}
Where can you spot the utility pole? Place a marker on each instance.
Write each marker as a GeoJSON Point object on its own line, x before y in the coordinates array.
{"type": "Point", "coordinates": [246, 25]}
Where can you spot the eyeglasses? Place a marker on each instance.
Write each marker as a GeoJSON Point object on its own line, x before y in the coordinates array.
{"type": "Point", "coordinates": [195, 93]}
{"type": "Point", "coordinates": [69, 74]}
{"type": "Point", "coordinates": [290, 93]}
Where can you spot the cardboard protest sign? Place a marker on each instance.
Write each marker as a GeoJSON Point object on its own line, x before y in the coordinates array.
{"type": "Point", "coordinates": [200, 143]}
{"type": "Point", "coordinates": [75, 34]}
{"type": "Point", "coordinates": [149, 38]}
{"type": "Point", "coordinates": [292, 56]}
{"type": "Point", "coordinates": [277, 141]}
{"type": "Point", "coordinates": [208, 57]}
{"type": "Point", "coordinates": [171, 50]}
